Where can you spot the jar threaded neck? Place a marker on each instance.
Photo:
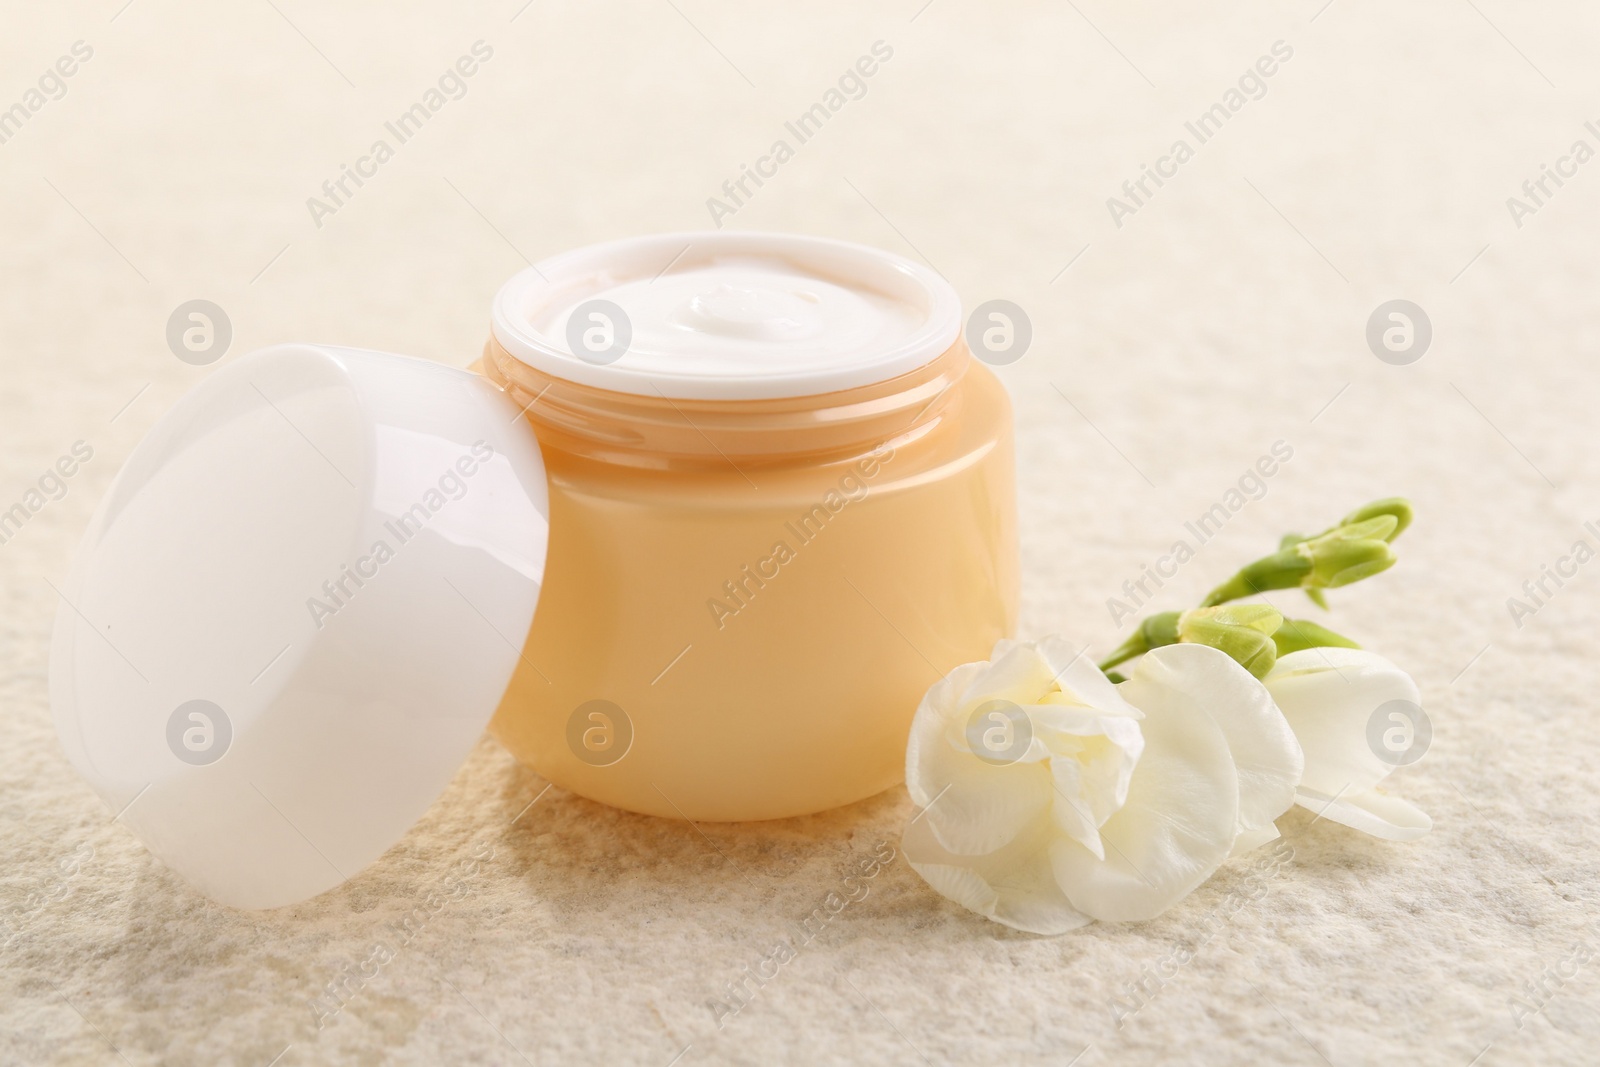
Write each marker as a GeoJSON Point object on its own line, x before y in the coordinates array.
{"type": "Point", "coordinates": [664, 432]}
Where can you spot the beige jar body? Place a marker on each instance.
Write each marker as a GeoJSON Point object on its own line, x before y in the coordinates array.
{"type": "Point", "coordinates": [745, 601]}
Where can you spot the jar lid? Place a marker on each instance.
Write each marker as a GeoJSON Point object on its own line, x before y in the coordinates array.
{"type": "Point", "coordinates": [295, 611]}
{"type": "Point", "coordinates": [727, 316]}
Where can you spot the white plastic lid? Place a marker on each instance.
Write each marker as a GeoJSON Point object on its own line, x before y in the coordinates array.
{"type": "Point", "coordinates": [295, 611]}
{"type": "Point", "coordinates": [727, 316]}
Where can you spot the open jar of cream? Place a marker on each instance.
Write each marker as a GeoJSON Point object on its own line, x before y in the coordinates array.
{"type": "Point", "coordinates": [781, 507]}
{"type": "Point", "coordinates": [712, 515]}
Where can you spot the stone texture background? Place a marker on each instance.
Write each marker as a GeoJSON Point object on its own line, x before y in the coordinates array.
{"type": "Point", "coordinates": [1226, 314]}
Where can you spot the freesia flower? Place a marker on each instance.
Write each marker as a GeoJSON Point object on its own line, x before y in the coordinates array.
{"type": "Point", "coordinates": [1346, 705]}
{"type": "Point", "coordinates": [1051, 797]}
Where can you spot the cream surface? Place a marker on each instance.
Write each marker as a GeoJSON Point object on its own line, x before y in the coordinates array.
{"type": "Point", "coordinates": [741, 314]}
{"type": "Point", "coordinates": [737, 316]}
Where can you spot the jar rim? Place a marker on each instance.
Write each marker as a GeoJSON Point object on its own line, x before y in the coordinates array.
{"type": "Point", "coordinates": [639, 430]}
{"type": "Point", "coordinates": [874, 270]}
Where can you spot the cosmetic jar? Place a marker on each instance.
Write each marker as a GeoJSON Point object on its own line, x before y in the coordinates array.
{"type": "Point", "coordinates": [781, 507]}
{"type": "Point", "coordinates": [708, 519]}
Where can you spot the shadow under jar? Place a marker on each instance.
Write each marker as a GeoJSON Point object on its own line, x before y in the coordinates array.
{"type": "Point", "coordinates": [782, 506]}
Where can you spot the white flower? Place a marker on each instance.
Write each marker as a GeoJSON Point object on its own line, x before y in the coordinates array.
{"type": "Point", "coordinates": [1051, 797]}
{"type": "Point", "coordinates": [1329, 696]}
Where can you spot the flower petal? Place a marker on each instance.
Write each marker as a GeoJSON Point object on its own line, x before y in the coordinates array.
{"type": "Point", "coordinates": [1179, 821]}
{"type": "Point", "coordinates": [977, 806]}
{"type": "Point", "coordinates": [981, 806]}
{"type": "Point", "coordinates": [1328, 695]}
{"type": "Point", "coordinates": [1266, 755]}
{"type": "Point", "coordinates": [1371, 812]}
{"type": "Point", "coordinates": [928, 726]}
{"type": "Point", "coordinates": [1253, 839]}
{"type": "Point", "coordinates": [1013, 885]}
{"type": "Point", "coordinates": [1093, 760]}
{"type": "Point", "coordinates": [1081, 682]}
{"type": "Point", "coordinates": [1018, 673]}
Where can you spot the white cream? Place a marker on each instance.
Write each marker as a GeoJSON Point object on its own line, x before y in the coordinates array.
{"type": "Point", "coordinates": [733, 316]}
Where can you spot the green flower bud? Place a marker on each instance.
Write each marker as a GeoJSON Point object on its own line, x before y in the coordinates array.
{"type": "Point", "coordinates": [1243, 631]}
{"type": "Point", "coordinates": [1379, 527]}
{"type": "Point", "coordinates": [1396, 507]}
{"type": "Point", "coordinates": [1297, 634]}
{"type": "Point", "coordinates": [1343, 555]}
{"type": "Point", "coordinates": [1349, 553]}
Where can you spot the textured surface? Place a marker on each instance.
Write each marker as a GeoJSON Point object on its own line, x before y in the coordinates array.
{"type": "Point", "coordinates": [1226, 313]}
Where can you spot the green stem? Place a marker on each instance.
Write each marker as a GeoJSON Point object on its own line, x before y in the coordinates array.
{"type": "Point", "coordinates": [1153, 632]}
{"type": "Point", "coordinates": [1133, 646]}
{"type": "Point", "coordinates": [1284, 569]}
